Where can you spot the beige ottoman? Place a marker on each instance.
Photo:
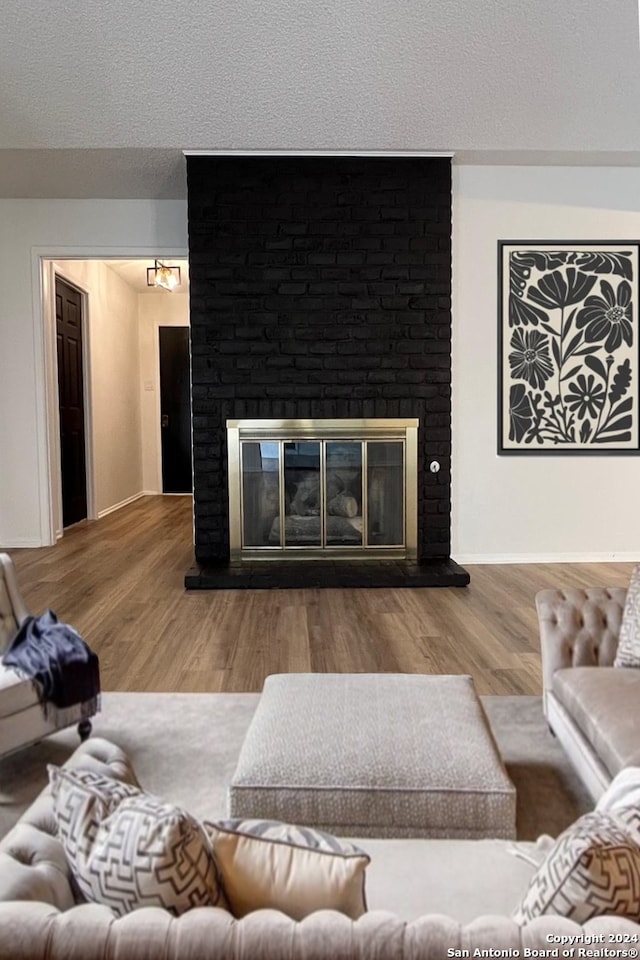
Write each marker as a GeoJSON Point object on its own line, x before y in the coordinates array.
{"type": "Point", "coordinates": [374, 755]}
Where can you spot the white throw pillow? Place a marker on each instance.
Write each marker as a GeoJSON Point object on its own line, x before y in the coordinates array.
{"type": "Point", "coordinates": [297, 870]}
{"type": "Point", "coordinates": [628, 652]}
{"type": "Point", "coordinates": [623, 791]}
{"type": "Point", "coordinates": [127, 849]}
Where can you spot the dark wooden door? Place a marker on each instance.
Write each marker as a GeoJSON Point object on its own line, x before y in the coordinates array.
{"type": "Point", "coordinates": [175, 410]}
{"type": "Point", "coordinates": [71, 403]}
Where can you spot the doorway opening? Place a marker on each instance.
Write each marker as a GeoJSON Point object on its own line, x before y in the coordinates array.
{"type": "Point", "coordinates": [106, 390]}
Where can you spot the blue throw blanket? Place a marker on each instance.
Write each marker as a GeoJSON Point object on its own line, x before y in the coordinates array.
{"type": "Point", "coordinates": [53, 654]}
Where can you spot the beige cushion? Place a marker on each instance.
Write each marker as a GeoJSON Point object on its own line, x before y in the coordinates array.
{"type": "Point", "coordinates": [377, 755]}
{"type": "Point", "coordinates": [270, 865]}
{"type": "Point", "coordinates": [462, 879]}
{"type": "Point", "coordinates": [628, 653]}
{"type": "Point", "coordinates": [604, 702]}
{"type": "Point", "coordinates": [592, 870]}
{"type": "Point", "coordinates": [128, 849]}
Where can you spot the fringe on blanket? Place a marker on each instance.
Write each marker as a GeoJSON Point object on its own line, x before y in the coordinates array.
{"type": "Point", "coordinates": [65, 716]}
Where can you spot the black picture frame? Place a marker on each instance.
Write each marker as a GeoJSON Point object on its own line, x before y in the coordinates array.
{"type": "Point", "coordinates": [568, 347]}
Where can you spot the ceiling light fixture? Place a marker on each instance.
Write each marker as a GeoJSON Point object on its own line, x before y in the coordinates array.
{"type": "Point", "coordinates": [163, 276]}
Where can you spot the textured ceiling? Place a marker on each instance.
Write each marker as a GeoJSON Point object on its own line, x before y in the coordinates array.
{"type": "Point", "coordinates": [479, 77]}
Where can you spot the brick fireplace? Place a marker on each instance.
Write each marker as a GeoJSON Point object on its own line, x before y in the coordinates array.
{"type": "Point", "coordinates": [320, 289]}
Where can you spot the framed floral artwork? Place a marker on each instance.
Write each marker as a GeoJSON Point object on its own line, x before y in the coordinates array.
{"type": "Point", "coordinates": [568, 347]}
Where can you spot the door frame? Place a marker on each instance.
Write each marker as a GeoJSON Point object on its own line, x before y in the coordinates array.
{"type": "Point", "coordinates": [43, 260]}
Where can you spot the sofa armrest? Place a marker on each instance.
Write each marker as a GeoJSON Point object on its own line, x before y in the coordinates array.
{"type": "Point", "coordinates": [13, 609]}
{"type": "Point", "coordinates": [8, 573]}
{"type": "Point", "coordinates": [578, 628]}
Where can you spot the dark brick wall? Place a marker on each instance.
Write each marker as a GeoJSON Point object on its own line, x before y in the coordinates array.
{"type": "Point", "coordinates": [320, 287]}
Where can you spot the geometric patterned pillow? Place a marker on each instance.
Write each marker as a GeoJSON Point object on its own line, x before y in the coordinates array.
{"type": "Point", "coordinates": [127, 849]}
{"type": "Point", "coordinates": [265, 864]}
{"type": "Point", "coordinates": [628, 652]}
{"type": "Point", "coordinates": [629, 818]}
{"type": "Point", "coordinates": [592, 870]}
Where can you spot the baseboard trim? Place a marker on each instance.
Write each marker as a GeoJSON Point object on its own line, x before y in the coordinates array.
{"type": "Point", "coordinates": [19, 544]}
{"type": "Point", "coordinates": [118, 506]}
{"type": "Point", "coordinates": [613, 557]}
{"type": "Point", "coordinates": [161, 493]}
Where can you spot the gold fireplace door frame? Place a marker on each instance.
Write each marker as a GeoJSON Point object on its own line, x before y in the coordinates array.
{"type": "Point", "coordinates": [281, 431]}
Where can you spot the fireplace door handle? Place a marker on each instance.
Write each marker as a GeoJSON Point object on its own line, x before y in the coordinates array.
{"type": "Point", "coordinates": [164, 420]}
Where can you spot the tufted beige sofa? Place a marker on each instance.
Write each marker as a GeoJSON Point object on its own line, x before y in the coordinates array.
{"type": "Point", "coordinates": [40, 918]}
{"type": "Point", "coordinates": [591, 706]}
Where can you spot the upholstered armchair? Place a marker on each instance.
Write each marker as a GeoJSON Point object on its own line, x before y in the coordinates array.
{"type": "Point", "coordinates": [22, 718]}
{"type": "Point", "coordinates": [592, 706]}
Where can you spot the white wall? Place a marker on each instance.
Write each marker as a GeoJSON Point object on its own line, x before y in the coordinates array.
{"type": "Point", "coordinates": [531, 507]}
{"type": "Point", "coordinates": [114, 392]}
{"type": "Point", "coordinates": [155, 309]}
{"type": "Point", "coordinates": [56, 229]}
{"type": "Point", "coordinates": [518, 508]}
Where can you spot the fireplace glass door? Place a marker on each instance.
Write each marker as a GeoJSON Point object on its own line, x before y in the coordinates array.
{"type": "Point", "coordinates": [260, 492]}
{"type": "Point", "coordinates": [322, 495]}
{"type": "Point", "coordinates": [385, 493]}
{"type": "Point", "coordinates": [302, 496]}
{"type": "Point", "coordinates": [344, 496]}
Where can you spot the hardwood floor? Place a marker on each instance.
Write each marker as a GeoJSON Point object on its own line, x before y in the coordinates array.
{"type": "Point", "coordinates": [119, 581]}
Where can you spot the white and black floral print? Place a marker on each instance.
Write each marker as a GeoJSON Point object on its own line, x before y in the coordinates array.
{"type": "Point", "coordinates": [569, 347]}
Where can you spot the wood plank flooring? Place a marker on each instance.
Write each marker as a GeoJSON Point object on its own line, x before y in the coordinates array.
{"type": "Point", "coordinates": [119, 581]}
